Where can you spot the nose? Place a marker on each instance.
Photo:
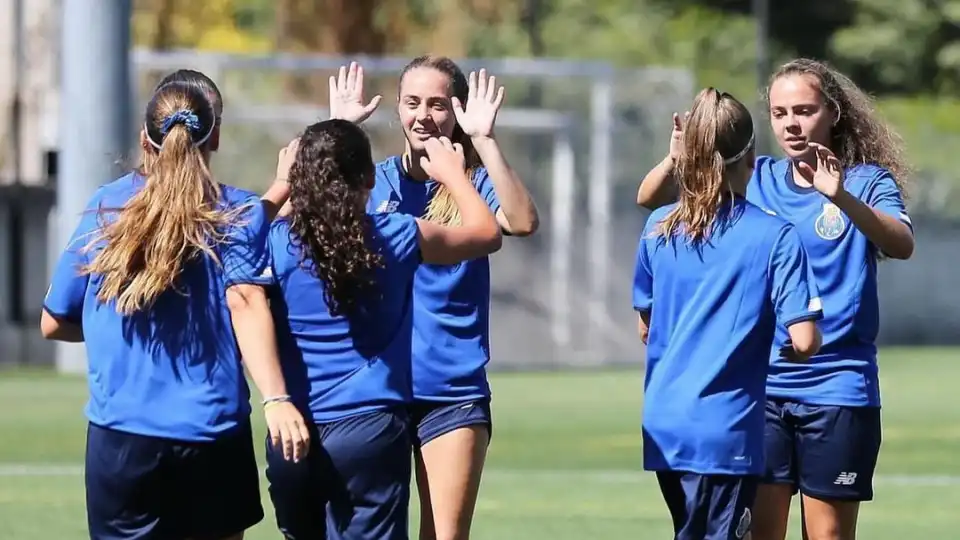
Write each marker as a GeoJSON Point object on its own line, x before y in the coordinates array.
{"type": "Point", "coordinates": [422, 113]}
{"type": "Point", "coordinates": [792, 122]}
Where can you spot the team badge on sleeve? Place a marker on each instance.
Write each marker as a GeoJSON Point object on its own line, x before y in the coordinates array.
{"type": "Point", "coordinates": [830, 223]}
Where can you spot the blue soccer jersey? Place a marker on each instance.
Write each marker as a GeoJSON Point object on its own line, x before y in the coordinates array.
{"type": "Point", "coordinates": [713, 313]}
{"type": "Point", "coordinates": [844, 262]}
{"type": "Point", "coordinates": [451, 307]}
{"type": "Point", "coordinates": [339, 366]}
{"type": "Point", "coordinates": [173, 370]}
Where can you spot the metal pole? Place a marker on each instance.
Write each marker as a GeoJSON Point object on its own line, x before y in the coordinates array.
{"type": "Point", "coordinates": [599, 195]}
{"type": "Point", "coordinates": [761, 12]}
{"type": "Point", "coordinates": [96, 121]}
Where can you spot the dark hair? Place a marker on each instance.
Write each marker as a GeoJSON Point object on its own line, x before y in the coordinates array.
{"type": "Point", "coordinates": [201, 81]}
{"type": "Point", "coordinates": [718, 134]}
{"type": "Point", "coordinates": [175, 217]}
{"type": "Point", "coordinates": [859, 136]}
{"type": "Point", "coordinates": [329, 225]}
{"type": "Point", "coordinates": [442, 208]}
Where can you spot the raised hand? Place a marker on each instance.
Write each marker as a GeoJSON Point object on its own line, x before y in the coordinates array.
{"type": "Point", "coordinates": [828, 176]}
{"type": "Point", "coordinates": [346, 95]}
{"type": "Point", "coordinates": [444, 160]}
{"type": "Point", "coordinates": [676, 136]}
{"type": "Point", "coordinates": [285, 159]}
{"type": "Point", "coordinates": [483, 104]}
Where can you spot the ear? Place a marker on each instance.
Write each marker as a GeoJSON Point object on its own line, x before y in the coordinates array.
{"type": "Point", "coordinates": [213, 143]}
{"type": "Point", "coordinates": [144, 142]}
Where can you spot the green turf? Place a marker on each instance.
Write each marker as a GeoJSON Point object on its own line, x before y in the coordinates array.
{"type": "Point", "coordinates": [564, 464]}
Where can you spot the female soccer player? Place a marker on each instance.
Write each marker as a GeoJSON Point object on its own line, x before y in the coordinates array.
{"type": "Point", "coordinates": [841, 185]}
{"type": "Point", "coordinates": [714, 276]}
{"type": "Point", "coordinates": [451, 327]}
{"type": "Point", "coordinates": [345, 279]}
{"type": "Point", "coordinates": [160, 264]}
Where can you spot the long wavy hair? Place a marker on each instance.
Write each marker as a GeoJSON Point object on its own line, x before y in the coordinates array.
{"type": "Point", "coordinates": [442, 208]}
{"type": "Point", "coordinates": [859, 135]}
{"type": "Point", "coordinates": [718, 134]}
{"type": "Point", "coordinates": [329, 185]}
{"type": "Point", "coordinates": [177, 216]}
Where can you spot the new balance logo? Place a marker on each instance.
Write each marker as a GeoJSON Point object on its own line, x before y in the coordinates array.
{"type": "Point", "coordinates": [387, 207]}
{"type": "Point", "coordinates": [846, 479]}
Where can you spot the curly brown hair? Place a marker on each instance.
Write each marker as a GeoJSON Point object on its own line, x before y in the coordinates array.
{"type": "Point", "coordinates": [859, 136]}
{"type": "Point", "coordinates": [329, 182]}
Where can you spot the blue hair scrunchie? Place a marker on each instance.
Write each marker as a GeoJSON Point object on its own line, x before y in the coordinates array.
{"type": "Point", "coordinates": [185, 117]}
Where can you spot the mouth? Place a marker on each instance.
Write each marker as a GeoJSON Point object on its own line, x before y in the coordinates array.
{"type": "Point", "coordinates": [423, 133]}
{"type": "Point", "coordinates": [796, 143]}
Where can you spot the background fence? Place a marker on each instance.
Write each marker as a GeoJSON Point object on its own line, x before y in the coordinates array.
{"type": "Point", "coordinates": [581, 135]}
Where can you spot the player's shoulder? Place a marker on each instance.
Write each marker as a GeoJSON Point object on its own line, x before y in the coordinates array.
{"type": "Point", "coordinates": [865, 174]}
{"type": "Point", "coordinates": [391, 223]}
{"type": "Point", "coordinates": [389, 167]}
{"type": "Point", "coordinates": [123, 187]}
{"type": "Point", "coordinates": [235, 196]}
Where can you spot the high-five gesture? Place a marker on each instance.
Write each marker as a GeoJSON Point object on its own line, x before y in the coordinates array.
{"type": "Point", "coordinates": [483, 104]}
{"type": "Point", "coordinates": [676, 136]}
{"type": "Point", "coordinates": [346, 95]}
{"type": "Point", "coordinates": [828, 177]}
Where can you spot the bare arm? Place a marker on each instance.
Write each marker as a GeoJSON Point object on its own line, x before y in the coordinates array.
{"type": "Point", "coordinates": [643, 325]}
{"type": "Point", "coordinates": [658, 187]}
{"type": "Point", "coordinates": [254, 330]}
{"type": "Point", "coordinates": [805, 341]}
{"type": "Point", "coordinates": [890, 235]}
{"type": "Point", "coordinates": [518, 214]}
{"type": "Point", "coordinates": [58, 330]}
{"type": "Point", "coordinates": [478, 234]}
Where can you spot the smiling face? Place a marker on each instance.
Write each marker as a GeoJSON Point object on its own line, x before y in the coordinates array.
{"type": "Point", "coordinates": [799, 114]}
{"type": "Point", "coordinates": [425, 107]}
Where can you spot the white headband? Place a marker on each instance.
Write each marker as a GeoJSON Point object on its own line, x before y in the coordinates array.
{"type": "Point", "coordinates": [742, 153]}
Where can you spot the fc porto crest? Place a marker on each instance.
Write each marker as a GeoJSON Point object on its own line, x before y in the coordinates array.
{"type": "Point", "coordinates": [830, 223]}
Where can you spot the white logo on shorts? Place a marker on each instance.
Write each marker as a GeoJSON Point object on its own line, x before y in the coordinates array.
{"type": "Point", "coordinates": [845, 479]}
{"type": "Point", "coordinates": [745, 521]}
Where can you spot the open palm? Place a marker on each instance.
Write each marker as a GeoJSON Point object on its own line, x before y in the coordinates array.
{"type": "Point", "coordinates": [346, 95]}
{"type": "Point", "coordinates": [483, 104]}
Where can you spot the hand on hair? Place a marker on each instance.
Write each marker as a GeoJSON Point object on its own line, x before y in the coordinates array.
{"type": "Point", "coordinates": [827, 178]}
{"type": "Point", "coordinates": [444, 160]}
{"type": "Point", "coordinates": [676, 136]}
{"type": "Point", "coordinates": [346, 96]}
{"type": "Point", "coordinates": [285, 159]}
{"type": "Point", "coordinates": [483, 104]}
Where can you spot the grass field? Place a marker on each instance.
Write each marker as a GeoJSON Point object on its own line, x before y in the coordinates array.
{"type": "Point", "coordinates": [565, 460]}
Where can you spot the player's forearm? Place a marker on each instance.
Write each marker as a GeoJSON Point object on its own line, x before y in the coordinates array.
{"type": "Point", "coordinates": [254, 329]}
{"type": "Point", "coordinates": [518, 207]}
{"type": "Point", "coordinates": [658, 187]}
{"type": "Point", "coordinates": [275, 198]}
{"type": "Point", "coordinates": [890, 235]}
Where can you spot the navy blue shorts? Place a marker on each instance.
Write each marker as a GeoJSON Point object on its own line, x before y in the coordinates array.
{"type": "Point", "coordinates": [708, 506]}
{"type": "Point", "coordinates": [354, 482]}
{"type": "Point", "coordinates": [824, 452]}
{"type": "Point", "coordinates": [151, 488]}
{"type": "Point", "coordinates": [431, 419]}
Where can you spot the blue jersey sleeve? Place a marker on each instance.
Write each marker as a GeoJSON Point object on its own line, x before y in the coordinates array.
{"type": "Point", "coordinates": [68, 286]}
{"type": "Point", "coordinates": [481, 179]}
{"type": "Point", "coordinates": [642, 278]}
{"type": "Point", "coordinates": [884, 195]}
{"type": "Point", "coordinates": [246, 253]}
{"type": "Point", "coordinates": [794, 292]}
{"type": "Point", "coordinates": [399, 234]}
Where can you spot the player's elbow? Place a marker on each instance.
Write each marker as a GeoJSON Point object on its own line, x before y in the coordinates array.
{"type": "Point", "coordinates": [54, 329]}
{"type": "Point", "coordinates": [902, 250]}
{"type": "Point", "coordinates": [245, 298]}
{"type": "Point", "coordinates": [806, 339]}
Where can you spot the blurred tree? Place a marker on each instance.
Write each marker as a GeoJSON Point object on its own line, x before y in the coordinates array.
{"type": "Point", "coordinates": [902, 46]}
{"type": "Point", "coordinates": [209, 25]}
